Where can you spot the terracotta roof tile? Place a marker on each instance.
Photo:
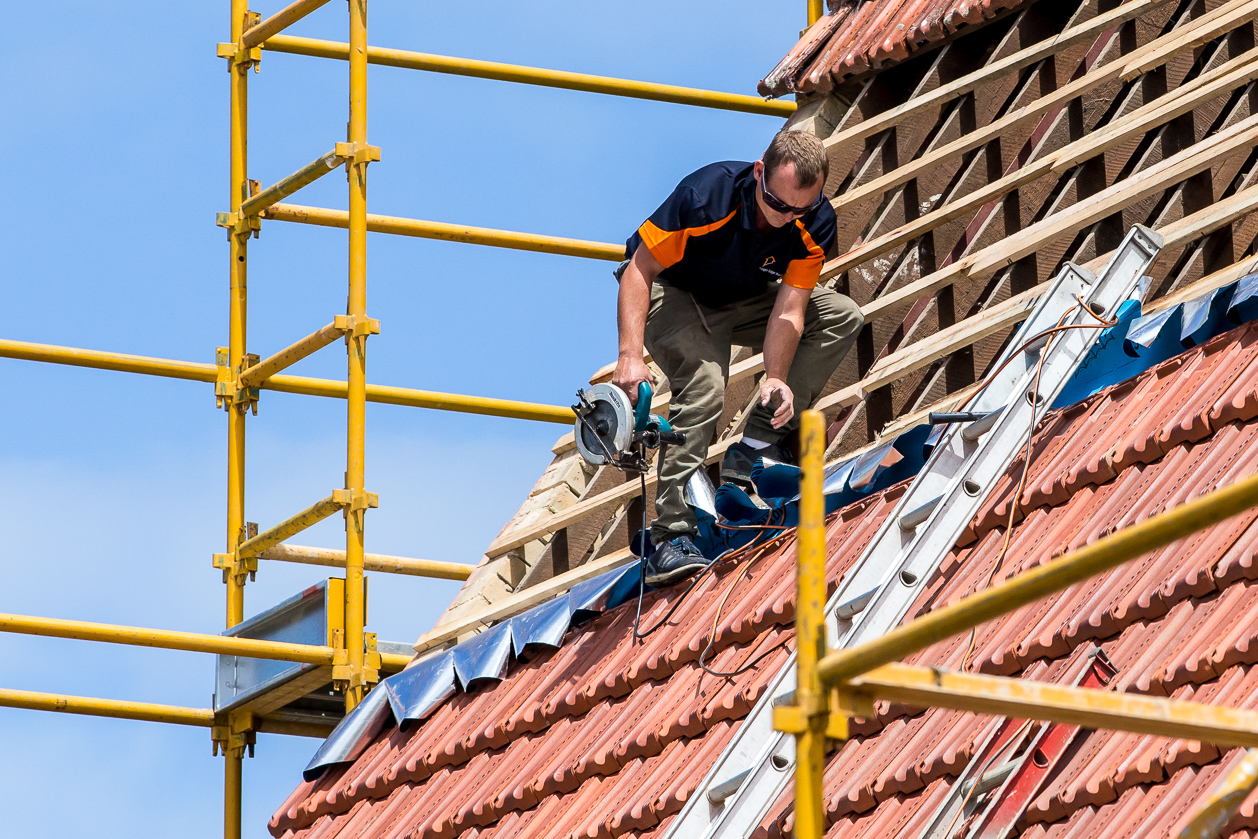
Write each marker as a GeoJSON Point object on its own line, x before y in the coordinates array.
{"type": "Point", "coordinates": [609, 737]}
{"type": "Point", "coordinates": [861, 35]}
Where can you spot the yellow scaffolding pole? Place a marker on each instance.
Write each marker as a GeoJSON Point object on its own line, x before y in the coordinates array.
{"type": "Point", "coordinates": [490, 237]}
{"type": "Point", "coordinates": [371, 562]}
{"type": "Point", "coordinates": [810, 590]}
{"type": "Point", "coordinates": [198, 372]}
{"type": "Point", "coordinates": [285, 187]}
{"type": "Point", "coordinates": [356, 676]}
{"type": "Point", "coordinates": [167, 639]}
{"type": "Point", "coordinates": [259, 32]}
{"type": "Point", "coordinates": [1102, 555]}
{"type": "Point", "coordinates": [255, 375]}
{"type": "Point", "coordinates": [858, 675]}
{"type": "Point", "coordinates": [116, 708]}
{"type": "Point", "coordinates": [406, 59]}
{"type": "Point", "coordinates": [293, 525]}
{"type": "Point", "coordinates": [815, 11]}
{"type": "Point", "coordinates": [238, 191]}
{"type": "Point", "coordinates": [239, 375]}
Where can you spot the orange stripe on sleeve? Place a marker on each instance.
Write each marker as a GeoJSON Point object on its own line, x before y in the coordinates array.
{"type": "Point", "coordinates": [804, 273]}
{"type": "Point", "coordinates": [668, 247]}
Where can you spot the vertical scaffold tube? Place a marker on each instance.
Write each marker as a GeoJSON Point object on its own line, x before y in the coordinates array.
{"type": "Point", "coordinates": [810, 630]}
{"type": "Point", "coordinates": [237, 271]}
{"type": "Point", "coordinates": [815, 11]}
{"type": "Point", "coordinates": [357, 402]}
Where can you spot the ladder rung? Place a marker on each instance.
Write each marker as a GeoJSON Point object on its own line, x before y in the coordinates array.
{"type": "Point", "coordinates": [910, 520]}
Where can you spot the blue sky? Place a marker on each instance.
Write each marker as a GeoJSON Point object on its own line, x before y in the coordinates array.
{"type": "Point", "coordinates": [115, 129]}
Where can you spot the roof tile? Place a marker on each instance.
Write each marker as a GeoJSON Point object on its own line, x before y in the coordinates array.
{"type": "Point", "coordinates": [608, 736]}
{"type": "Point", "coordinates": [861, 35]}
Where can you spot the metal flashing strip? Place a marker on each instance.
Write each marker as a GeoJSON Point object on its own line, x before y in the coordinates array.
{"type": "Point", "coordinates": [961, 471]}
{"type": "Point", "coordinates": [418, 690]}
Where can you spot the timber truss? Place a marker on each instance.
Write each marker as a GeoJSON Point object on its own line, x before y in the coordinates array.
{"type": "Point", "coordinates": [963, 180]}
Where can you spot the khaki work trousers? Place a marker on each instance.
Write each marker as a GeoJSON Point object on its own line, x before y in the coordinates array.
{"type": "Point", "coordinates": [691, 343]}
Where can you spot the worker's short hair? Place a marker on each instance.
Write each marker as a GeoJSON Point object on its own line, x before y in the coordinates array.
{"type": "Point", "coordinates": [804, 150]}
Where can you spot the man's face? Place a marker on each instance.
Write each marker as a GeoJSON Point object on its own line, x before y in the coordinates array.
{"type": "Point", "coordinates": [783, 186]}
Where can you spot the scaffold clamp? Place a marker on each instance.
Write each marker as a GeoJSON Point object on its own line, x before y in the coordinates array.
{"type": "Point", "coordinates": [240, 226]}
{"type": "Point", "coordinates": [354, 500]}
{"type": "Point", "coordinates": [356, 326]}
{"type": "Point", "coordinates": [235, 736]}
{"type": "Point", "coordinates": [226, 390]}
{"type": "Point", "coordinates": [358, 153]}
{"type": "Point", "coordinates": [240, 59]}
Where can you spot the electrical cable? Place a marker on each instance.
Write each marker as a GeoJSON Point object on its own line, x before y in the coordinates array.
{"type": "Point", "coordinates": [762, 549]}
{"type": "Point", "coordinates": [1026, 460]}
{"type": "Point", "coordinates": [982, 770]}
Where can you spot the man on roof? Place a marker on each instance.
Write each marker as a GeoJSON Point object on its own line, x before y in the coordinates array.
{"type": "Point", "coordinates": [732, 257]}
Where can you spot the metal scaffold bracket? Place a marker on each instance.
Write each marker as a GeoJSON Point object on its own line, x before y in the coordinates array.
{"type": "Point", "coordinates": [233, 565]}
{"type": "Point", "coordinates": [242, 227]}
{"type": "Point", "coordinates": [239, 57]}
{"type": "Point", "coordinates": [356, 326]}
{"type": "Point", "coordinates": [358, 153]}
{"type": "Point", "coordinates": [227, 392]}
{"type": "Point", "coordinates": [354, 500]}
{"type": "Point", "coordinates": [344, 675]}
{"type": "Point", "coordinates": [235, 736]}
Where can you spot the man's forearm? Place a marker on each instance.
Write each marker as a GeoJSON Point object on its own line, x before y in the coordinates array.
{"type": "Point", "coordinates": [633, 301]}
{"type": "Point", "coordinates": [781, 338]}
{"type": "Point", "coordinates": [631, 307]}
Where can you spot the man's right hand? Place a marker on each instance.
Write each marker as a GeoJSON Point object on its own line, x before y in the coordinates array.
{"type": "Point", "coordinates": [630, 371]}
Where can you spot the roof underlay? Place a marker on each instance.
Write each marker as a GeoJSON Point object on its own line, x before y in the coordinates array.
{"type": "Point", "coordinates": [607, 736]}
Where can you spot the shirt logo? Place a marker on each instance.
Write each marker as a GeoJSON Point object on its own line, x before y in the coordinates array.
{"type": "Point", "coordinates": [768, 265]}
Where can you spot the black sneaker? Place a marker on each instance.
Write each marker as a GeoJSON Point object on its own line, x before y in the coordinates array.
{"type": "Point", "coordinates": [674, 560]}
{"type": "Point", "coordinates": [740, 458]}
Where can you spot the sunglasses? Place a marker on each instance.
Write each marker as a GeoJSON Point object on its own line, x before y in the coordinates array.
{"type": "Point", "coordinates": [778, 205]}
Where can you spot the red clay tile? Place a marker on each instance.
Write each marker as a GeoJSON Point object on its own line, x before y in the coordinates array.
{"type": "Point", "coordinates": [609, 737]}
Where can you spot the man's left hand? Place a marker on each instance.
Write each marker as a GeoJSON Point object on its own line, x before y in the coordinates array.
{"type": "Point", "coordinates": [775, 391]}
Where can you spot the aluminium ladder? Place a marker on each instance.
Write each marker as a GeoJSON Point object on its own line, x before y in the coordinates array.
{"type": "Point", "coordinates": [964, 466]}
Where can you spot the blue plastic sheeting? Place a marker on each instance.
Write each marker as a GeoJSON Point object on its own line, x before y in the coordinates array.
{"type": "Point", "coordinates": [1205, 316]}
{"type": "Point", "coordinates": [417, 691]}
{"type": "Point", "coordinates": [1244, 305]}
{"type": "Point", "coordinates": [777, 485]}
{"type": "Point", "coordinates": [1107, 361]}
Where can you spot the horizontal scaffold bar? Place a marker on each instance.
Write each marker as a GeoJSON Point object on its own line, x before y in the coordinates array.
{"type": "Point", "coordinates": [394, 663]}
{"type": "Point", "coordinates": [197, 372]}
{"type": "Point", "coordinates": [1054, 576]}
{"type": "Point", "coordinates": [105, 707]}
{"type": "Point", "coordinates": [279, 21]}
{"type": "Point", "coordinates": [291, 526]}
{"type": "Point", "coordinates": [399, 226]}
{"type": "Point", "coordinates": [1031, 700]}
{"type": "Point", "coordinates": [167, 639]}
{"type": "Point", "coordinates": [534, 75]}
{"type": "Point", "coordinates": [371, 562]}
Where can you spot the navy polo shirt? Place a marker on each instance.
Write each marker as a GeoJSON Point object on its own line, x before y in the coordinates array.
{"type": "Point", "coordinates": [705, 236]}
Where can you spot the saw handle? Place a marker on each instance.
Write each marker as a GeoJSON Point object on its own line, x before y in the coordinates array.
{"type": "Point", "coordinates": [642, 409]}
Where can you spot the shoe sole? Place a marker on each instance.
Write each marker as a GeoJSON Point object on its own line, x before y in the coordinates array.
{"type": "Point", "coordinates": [668, 577]}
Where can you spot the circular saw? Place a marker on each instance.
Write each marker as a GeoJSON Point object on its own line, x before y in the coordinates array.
{"type": "Point", "coordinates": [612, 431]}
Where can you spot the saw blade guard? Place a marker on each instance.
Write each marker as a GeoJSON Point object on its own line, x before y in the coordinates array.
{"type": "Point", "coordinates": [604, 429]}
